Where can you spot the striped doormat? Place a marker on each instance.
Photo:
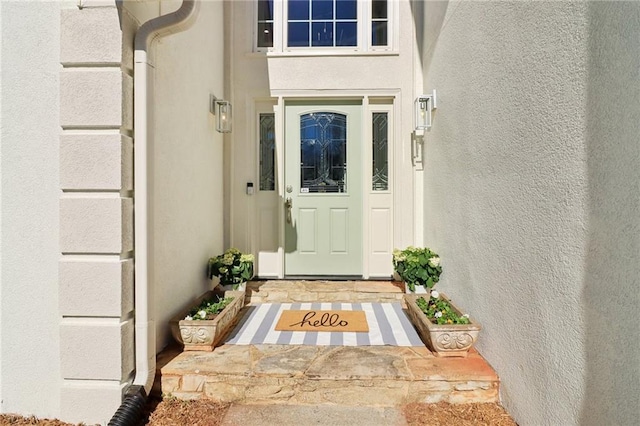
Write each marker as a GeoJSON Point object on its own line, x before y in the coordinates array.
{"type": "Point", "coordinates": [388, 326]}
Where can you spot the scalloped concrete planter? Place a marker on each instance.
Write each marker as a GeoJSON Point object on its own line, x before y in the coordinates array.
{"type": "Point", "coordinates": [240, 287]}
{"type": "Point", "coordinates": [419, 290]}
{"type": "Point", "coordinates": [204, 335]}
{"type": "Point", "coordinates": [402, 284]}
{"type": "Point", "coordinates": [451, 340]}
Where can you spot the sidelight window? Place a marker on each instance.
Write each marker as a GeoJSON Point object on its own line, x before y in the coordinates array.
{"type": "Point", "coordinates": [380, 166]}
{"type": "Point", "coordinates": [267, 152]}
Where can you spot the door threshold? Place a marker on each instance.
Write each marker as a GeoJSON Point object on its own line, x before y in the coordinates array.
{"type": "Point", "coordinates": [333, 278]}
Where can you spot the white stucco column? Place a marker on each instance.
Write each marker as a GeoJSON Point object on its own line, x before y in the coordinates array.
{"type": "Point", "coordinates": [96, 210]}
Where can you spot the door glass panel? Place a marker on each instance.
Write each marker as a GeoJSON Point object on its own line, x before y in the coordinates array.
{"type": "Point", "coordinates": [323, 152]}
{"type": "Point", "coordinates": [380, 152]}
{"type": "Point", "coordinates": [267, 152]}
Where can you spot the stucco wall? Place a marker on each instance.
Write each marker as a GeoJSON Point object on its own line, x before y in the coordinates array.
{"type": "Point", "coordinates": [187, 163]}
{"type": "Point", "coordinates": [531, 196]}
{"type": "Point", "coordinates": [0, 215]}
{"type": "Point", "coordinates": [30, 201]}
{"type": "Point", "coordinates": [612, 272]}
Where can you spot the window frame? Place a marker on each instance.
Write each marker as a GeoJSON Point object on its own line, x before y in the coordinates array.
{"type": "Point", "coordinates": [363, 46]}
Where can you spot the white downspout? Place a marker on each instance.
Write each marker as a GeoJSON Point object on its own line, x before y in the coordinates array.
{"type": "Point", "coordinates": [145, 332]}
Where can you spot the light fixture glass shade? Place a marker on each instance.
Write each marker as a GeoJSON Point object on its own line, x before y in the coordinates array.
{"type": "Point", "coordinates": [223, 116]}
{"type": "Point", "coordinates": [423, 112]}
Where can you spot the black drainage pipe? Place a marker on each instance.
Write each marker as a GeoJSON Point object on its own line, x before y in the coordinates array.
{"type": "Point", "coordinates": [130, 411]}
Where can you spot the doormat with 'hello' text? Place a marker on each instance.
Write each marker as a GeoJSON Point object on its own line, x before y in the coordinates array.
{"type": "Point", "coordinates": [387, 325]}
{"type": "Point", "coordinates": [310, 320]}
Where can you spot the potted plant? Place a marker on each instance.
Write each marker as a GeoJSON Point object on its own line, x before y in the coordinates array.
{"type": "Point", "coordinates": [418, 267]}
{"type": "Point", "coordinates": [233, 267]}
{"type": "Point", "coordinates": [203, 325]}
{"type": "Point", "coordinates": [441, 325]}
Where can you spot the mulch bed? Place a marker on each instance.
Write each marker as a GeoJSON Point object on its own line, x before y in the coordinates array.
{"type": "Point", "coordinates": [176, 412]}
{"type": "Point", "coordinates": [204, 412]}
{"type": "Point", "coordinates": [444, 413]}
{"type": "Point", "coordinates": [12, 419]}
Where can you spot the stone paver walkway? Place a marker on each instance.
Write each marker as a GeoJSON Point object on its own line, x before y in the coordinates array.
{"type": "Point", "coordinates": [323, 291]}
{"type": "Point", "coordinates": [303, 415]}
{"type": "Point", "coordinates": [314, 379]}
{"type": "Point", "coordinates": [374, 376]}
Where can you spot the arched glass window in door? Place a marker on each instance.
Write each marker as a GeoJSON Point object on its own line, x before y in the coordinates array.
{"type": "Point", "coordinates": [323, 152]}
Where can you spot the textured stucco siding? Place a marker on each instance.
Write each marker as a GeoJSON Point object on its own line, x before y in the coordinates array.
{"type": "Point", "coordinates": [531, 196]}
{"type": "Point", "coordinates": [67, 230]}
{"type": "Point", "coordinates": [96, 210]}
{"type": "Point", "coordinates": [30, 190]}
{"type": "Point", "coordinates": [610, 287]}
{"type": "Point", "coordinates": [187, 171]}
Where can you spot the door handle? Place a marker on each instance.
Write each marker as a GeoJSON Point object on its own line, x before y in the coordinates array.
{"type": "Point", "coordinates": [288, 203]}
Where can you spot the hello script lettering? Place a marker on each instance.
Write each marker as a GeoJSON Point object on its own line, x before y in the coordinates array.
{"type": "Point", "coordinates": [326, 320]}
{"type": "Point", "coordinates": [319, 320]}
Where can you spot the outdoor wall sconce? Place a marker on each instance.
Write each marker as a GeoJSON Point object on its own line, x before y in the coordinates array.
{"type": "Point", "coordinates": [417, 148]}
{"type": "Point", "coordinates": [424, 105]}
{"type": "Point", "coordinates": [222, 110]}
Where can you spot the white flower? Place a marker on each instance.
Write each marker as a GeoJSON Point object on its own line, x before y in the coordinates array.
{"type": "Point", "coordinates": [202, 314]}
{"type": "Point", "coordinates": [438, 314]}
{"type": "Point", "coordinates": [434, 261]}
{"type": "Point", "coordinates": [188, 318]}
{"type": "Point", "coordinates": [466, 316]}
{"type": "Point", "coordinates": [435, 294]}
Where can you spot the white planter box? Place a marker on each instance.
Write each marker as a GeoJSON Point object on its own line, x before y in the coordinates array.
{"type": "Point", "coordinates": [204, 335]}
{"type": "Point", "coordinates": [445, 340]}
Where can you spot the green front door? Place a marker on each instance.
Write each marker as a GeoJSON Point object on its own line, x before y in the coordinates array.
{"type": "Point", "coordinates": [323, 188]}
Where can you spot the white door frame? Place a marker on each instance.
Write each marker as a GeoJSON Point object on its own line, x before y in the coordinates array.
{"type": "Point", "coordinates": [373, 204]}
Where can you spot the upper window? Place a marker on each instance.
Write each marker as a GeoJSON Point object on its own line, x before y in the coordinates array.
{"type": "Point", "coordinates": [265, 23]}
{"type": "Point", "coordinates": [379, 22]}
{"type": "Point", "coordinates": [322, 23]}
{"type": "Point", "coordinates": [294, 25]}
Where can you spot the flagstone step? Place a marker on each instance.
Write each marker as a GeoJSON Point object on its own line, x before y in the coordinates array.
{"type": "Point", "coordinates": [323, 291]}
{"type": "Point", "coordinates": [372, 376]}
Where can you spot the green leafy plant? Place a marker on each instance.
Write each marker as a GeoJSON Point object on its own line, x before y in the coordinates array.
{"type": "Point", "coordinates": [417, 266]}
{"type": "Point", "coordinates": [233, 267]}
{"type": "Point", "coordinates": [209, 308]}
{"type": "Point", "coordinates": [440, 311]}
